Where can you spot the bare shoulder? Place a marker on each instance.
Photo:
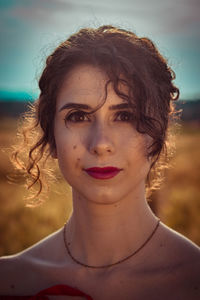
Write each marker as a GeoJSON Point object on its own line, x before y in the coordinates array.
{"type": "Point", "coordinates": [178, 245]}
{"type": "Point", "coordinates": [182, 262]}
{"type": "Point", "coordinates": [19, 271]}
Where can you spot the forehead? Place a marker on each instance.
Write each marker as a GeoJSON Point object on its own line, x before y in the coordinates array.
{"type": "Point", "coordinates": [86, 83]}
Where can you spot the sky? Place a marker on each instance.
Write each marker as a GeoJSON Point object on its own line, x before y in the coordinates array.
{"type": "Point", "coordinates": [31, 29]}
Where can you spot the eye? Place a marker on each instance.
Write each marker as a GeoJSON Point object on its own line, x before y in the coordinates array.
{"type": "Point", "coordinates": [77, 117]}
{"type": "Point", "coordinates": [124, 116]}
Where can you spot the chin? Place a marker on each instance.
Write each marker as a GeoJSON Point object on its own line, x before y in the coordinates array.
{"type": "Point", "coordinates": [101, 196]}
{"type": "Point", "coordinates": [104, 197]}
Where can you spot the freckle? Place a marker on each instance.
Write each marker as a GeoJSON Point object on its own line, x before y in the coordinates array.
{"type": "Point", "coordinates": [74, 147]}
{"type": "Point", "coordinates": [12, 286]}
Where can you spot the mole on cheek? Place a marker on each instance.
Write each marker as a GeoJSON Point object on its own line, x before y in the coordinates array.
{"type": "Point", "coordinates": [74, 147]}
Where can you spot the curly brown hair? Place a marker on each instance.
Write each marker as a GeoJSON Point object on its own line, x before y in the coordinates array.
{"type": "Point", "coordinates": [123, 56]}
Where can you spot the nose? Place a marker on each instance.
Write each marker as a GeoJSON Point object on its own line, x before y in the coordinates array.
{"type": "Point", "coordinates": [100, 141]}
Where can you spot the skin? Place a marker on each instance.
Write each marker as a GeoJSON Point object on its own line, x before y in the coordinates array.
{"type": "Point", "coordinates": [111, 218]}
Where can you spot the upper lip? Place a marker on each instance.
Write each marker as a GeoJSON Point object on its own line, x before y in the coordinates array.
{"type": "Point", "coordinates": [103, 169]}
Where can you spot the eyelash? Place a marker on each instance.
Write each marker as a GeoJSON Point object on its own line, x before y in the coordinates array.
{"type": "Point", "coordinates": [75, 117]}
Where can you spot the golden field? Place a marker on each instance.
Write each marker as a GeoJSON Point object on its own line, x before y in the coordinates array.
{"type": "Point", "coordinates": [177, 203]}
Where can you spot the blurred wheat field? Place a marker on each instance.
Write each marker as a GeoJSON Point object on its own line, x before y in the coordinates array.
{"type": "Point", "coordinates": [177, 203]}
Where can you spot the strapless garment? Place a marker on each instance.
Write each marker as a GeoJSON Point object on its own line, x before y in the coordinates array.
{"type": "Point", "coordinates": [62, 290]}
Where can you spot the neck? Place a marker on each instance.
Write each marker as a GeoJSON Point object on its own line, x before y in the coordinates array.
{"type": "Point", "coordinates": [102, 234]}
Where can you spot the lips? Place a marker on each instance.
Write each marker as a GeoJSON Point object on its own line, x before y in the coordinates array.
{"type": "Point", "coordinates": [102, 173]}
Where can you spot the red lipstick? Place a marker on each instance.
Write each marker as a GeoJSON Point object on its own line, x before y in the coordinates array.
{"type": "Point", "coordinates": [102, 173]}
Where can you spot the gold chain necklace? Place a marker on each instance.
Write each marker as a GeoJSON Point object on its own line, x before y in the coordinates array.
{"type": "Point", "coordinates": [113, 264]}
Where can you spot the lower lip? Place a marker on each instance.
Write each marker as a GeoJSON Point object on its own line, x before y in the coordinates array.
{"type": "Point", "coordinates": [105, 175]}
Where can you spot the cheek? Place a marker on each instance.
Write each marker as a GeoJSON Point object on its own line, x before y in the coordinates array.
{"type": "Point", "coordinates": [77, 162]}
{"type": "Point", "coordinates": [68, 155]}
{"type": "Point", "coordinates": [66, 143]}
{"type": "Point", "coordinates": [69, 163]}
{"type": "Point", "coordinates": [137, 154]}
{"type": "Point", "coordinates": [144, 143]}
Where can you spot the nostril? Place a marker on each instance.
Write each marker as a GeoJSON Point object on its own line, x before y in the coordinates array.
{"type": "Point", "coordinates": [101, 150]}
{"type": "Point", "coordinates": [100, 146]}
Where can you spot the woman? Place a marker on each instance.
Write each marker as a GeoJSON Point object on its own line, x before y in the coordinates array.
{"type": "Point", "coordinates": [103, 113]}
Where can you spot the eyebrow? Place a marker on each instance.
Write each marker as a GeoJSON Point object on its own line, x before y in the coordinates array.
{"type": "Point", "coordinates": [87, 107]}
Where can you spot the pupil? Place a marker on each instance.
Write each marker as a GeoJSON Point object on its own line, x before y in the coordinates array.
{"type": "Point", "coordinates": [125, 117]}
{"type": "Point", "coordinates": [80, 117]}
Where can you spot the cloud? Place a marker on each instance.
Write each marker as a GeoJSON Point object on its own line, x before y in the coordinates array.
{"type": "Point", "coordinates": [26, 26]}
{"type": "Point", "coordinates": [160, 16]}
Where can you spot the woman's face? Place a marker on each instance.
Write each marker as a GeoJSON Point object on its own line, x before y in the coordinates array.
{"type": "Point", "coordinates": [86, 143]}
